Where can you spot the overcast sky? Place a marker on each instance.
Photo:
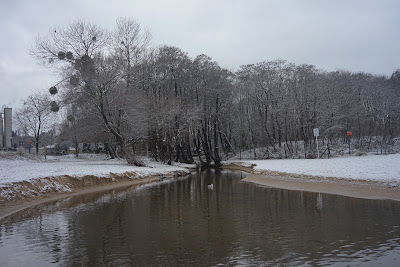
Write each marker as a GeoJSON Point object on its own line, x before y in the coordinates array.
{"type": "Point", "coordinates": [355, 35]}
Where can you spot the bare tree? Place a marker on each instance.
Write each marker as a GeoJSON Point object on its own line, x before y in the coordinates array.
{"type": "Point", "coordinates": [35, 115]}
{"type": "Point", "coordinates": [95, 73]}
{"type": "Point", "coordinates": [79, 39]}
{"type": "Point", "coordinates": [183, 105]}
{"type": "Point", "coordinates": [130, 44]}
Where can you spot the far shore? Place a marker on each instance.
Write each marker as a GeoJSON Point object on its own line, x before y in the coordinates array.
{"type": "Point", "coordinates": [330, 185]}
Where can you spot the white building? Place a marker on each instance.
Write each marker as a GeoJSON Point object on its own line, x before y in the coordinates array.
{"type": "Point", "coordinates": [1, 130]}
{"type": "Point", "coordinates": [6, 128]}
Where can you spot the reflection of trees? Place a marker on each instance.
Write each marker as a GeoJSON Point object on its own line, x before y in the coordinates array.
{"type": "Point", "coordinates": [287, 224]}
{"type": "Point", "coordinates": [185, 223]}
{"type": "Point", "coordinates": [39, 238]}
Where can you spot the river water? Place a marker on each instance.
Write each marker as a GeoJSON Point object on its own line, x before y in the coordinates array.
{"type": "Point", "coordinates": [182, 222]}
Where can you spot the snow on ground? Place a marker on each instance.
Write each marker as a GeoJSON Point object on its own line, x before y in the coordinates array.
{"type": "Point", "coordinates": [16, 169]}
{"type": "Point", "coordinates": [371, 167]}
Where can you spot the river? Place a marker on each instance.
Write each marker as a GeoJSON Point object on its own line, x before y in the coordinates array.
{"type": "Point", "coordinates": [183, 222]}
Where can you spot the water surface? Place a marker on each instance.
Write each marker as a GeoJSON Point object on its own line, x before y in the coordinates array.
{"type": "Point", "coordinates": [181, 222]}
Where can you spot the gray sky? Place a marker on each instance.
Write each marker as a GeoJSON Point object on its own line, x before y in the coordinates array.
{"type": "Point", "coordinates": [355, 35]}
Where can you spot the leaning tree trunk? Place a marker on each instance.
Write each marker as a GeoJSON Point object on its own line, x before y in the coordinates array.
{"type": "Point", "coordinates": [124, 149]}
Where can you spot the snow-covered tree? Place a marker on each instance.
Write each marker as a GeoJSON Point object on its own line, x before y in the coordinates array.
{"type": "Point", "coordinates": [35, 116]}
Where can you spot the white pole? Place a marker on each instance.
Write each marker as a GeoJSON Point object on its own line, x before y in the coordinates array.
{"type": "Point", "coordinates": [316, 138]}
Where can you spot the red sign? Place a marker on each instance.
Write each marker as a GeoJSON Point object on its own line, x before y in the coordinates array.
{"type": "Point", "coordinates": [349, 133]}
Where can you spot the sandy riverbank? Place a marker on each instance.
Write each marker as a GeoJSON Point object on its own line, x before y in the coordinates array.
{"type": "Point", "coordinates": [80, 186]}
{"type": "Point", "coordinates": [29, 181]}
{"type": "Point", "coordinates": [331, 185]}
{"type": "Point", "coordinates": [24, 193]}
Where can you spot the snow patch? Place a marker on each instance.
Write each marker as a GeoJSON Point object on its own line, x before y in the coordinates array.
{"type": "Point", "coordinates": [373, 167]}
{"type": "Point", "coordinates": [31, 176]}
{"type": "Point", "coordinates": [17, 170]}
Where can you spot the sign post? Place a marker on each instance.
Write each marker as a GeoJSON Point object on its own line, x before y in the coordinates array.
{"type": "Point", "coordinates": [316, 134]}
{"type": "Point", "coordinates": [349, 135]}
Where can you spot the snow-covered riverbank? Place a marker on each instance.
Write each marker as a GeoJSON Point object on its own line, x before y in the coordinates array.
{"type": "Point", "coordinates": [23, 169]}
{"type": "Point", "coordinates": [371, 177]}
{"type": "Point", "coordinates": [370, 168]}
{"type": "Point", "coordinates": [26, 177]}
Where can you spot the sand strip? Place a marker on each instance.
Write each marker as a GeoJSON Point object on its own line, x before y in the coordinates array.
{"type": "Point", "coordinates": [330, 185]}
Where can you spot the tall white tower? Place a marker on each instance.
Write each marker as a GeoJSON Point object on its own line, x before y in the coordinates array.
{"type": "Point", "coordinates": [1, 130]}
{"type": "Point", "coordinates": [7, 127]}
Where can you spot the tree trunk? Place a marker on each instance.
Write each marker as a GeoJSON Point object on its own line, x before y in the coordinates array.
{"type": "Point", "coordinates": [125, 153]}
{"type": "Point", "coordinates": [217, 158]}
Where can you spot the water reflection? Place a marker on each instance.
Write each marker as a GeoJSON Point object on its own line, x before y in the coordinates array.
{"type": "Point", "coordinates": [182, 222]}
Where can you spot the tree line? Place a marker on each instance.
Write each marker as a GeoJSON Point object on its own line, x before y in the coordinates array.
{"type": "Point", "coordinates": [116, 88]}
